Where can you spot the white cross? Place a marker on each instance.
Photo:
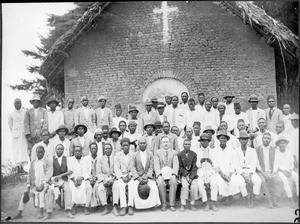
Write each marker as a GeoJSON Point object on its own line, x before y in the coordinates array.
{"type": "Point", "coordinates": [165, 10]}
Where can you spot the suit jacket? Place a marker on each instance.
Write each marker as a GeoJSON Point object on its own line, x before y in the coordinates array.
{"type": "Point", "coordinates": [116, 146]}
{"type": "Point", "coordinates": [35, 124]}
{"type": "Point", "coordinates": [103, 170]}
{"type": "Point", "coordinates": [85, 147]}
{"type": "Point", "coordinates": [173, 141]}
{"type": "Point", "coordinates": [188, 161]}
{"type": "Point", "coordinates": [160, 162]}
{"type": "Point", "coordinates": [151, 143]}
{"type": "Point", "coordinates": [105, 120]}
{"type": "Point", "coordinates": [260, 114]}
{"type": "Point", "coordinates": [120, 167]}
{"type": "Point", "coordinates": [260, 157]}
{"type": "Point", "coordinates": [276, 116]}
{"type": "Point", "coordinates": [137, 168]}
{"type": "Point", "coordinates": [80, 118]}
{"type": "Point", "coordinates": [48, 171]}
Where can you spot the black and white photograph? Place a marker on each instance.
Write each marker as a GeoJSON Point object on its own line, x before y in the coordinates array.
{"type": "Point", "coordinates": [150, 111]}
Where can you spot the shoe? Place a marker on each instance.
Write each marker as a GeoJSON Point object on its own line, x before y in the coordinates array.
{"type": "Point", "coordinates": [206, 207]}
{"type": "Point", "coordinates": [74, 210]}
{"type": "Point", "coordinates": [193, 208]}
{"type": "Point", "coordinates": [48, 216]}
{"type": "Point", "coordinates": [18, 216]}
{"type": "Point", "coordinates": [41, 214]}
{"type": "Point", "coordinates": [106, 211]}
{"type": "Point", "coordinates": [214, 208]}
{"type": "Point", "coordinates": [172, 208]}
{"type": "Point", "coordinates": [163, 208]}
{"type": "Point", "coordinates": [69, 215]}
{"type": "Point", "coordinates": [86, 211]}
{"type": "Point", "coordinates": [181, 208]}
{"type": "Point", "coordinates": [270, 205]}
{"type": "Point", "coordinates": [115, 211]}
{"type": "Point", "coordinates": [123, 211]}
{"type": "Point", "coordinates": [130, 210]}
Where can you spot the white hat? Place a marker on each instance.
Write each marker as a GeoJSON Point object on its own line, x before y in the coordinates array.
{"type": "Point", "coordinates": [166, 172]}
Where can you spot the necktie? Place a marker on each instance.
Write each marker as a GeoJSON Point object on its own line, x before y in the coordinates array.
{"type": "Point", "coordinates": [108, 160]}
{"type": "Point", "coordinates": [103, 147]}
{"type": "Point", "coordinates": [221, 117]}
{"type": "Point", "coordinates": [270, 113]}
{"type": "Point", "coordinates": [173, 117]}
{"type": "Point", "coordinates": [166, 158]}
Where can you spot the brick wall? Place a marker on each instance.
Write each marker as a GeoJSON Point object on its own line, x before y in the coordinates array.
{"type": "Point", "coordinates": [209, 50]}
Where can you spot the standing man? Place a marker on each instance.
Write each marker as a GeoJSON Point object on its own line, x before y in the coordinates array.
{"type": "Point", "coordinates": [85, 115]}
{"type": "Point", "coordinates": [154, 102]}
{"type": "Point", "coordinates": [80, 140]}
{"type": "Point", "coordinates": [176, 116]}
{"type": "Point", "coordinates": [55, 117]}
{"type": "Point", "coordinates": [69, 118]}
{"type": "Point", "coordinates": [201, 107]}
{"type": "Point", "coordinates": [161, 112]}
{"type": "Point", "coordinates": [188, 174]}
{"type": "Point", "coordinates": [118, 118]}
{"type": "Point", "coordinates": [208, 117]}
{"type": "Point", "coordinates": [133, 111]}
{"type": "Point", "coordinates": [150, 137]}
{"type": "Point", "coordinates": [223, 116]}
{"type": "Point", "coordinates": [254, 113]}
{"type": "Point", "coordinates": [273, 114]}
{"type": "Point", "coordinates": [148, 116]}
{"type": "Point", "coordinates": [286, 117]}
{"type": "Point", "coordinates": [192, 115]}
{"type": "Point", "coordinates": [294, 137]}
{"type": "Point", "coordinates": [238, 114]}
{"type": "Point", "coordinates": [133, 136]}
{"type": "Point", "coordinates": [122, 128]}
{"type": "Point", "coordinates": [103, 115]}
{"type": "Point", "coordinates": [215, 102]}
{"type": "Point", "coordinates": [61, 132]}
{"type": "Point", "coordinates": [172, 138]}
{"type": "Point", "coordinates": [19, 143]}
{"type": "Point", "coordinates": [36, 119]}
{"type": "Point", "coordinates": [184, 101]}
{"type": "Point", "coordinates": [168, 100]}
{"type": "Point", "coordinates": [229, 104]}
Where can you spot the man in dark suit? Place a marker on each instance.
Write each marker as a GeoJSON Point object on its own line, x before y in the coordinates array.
{"type": "Point", "coordinates": [188, 174]}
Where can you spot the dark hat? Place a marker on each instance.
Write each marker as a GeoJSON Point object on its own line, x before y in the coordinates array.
{"type": "Point", "coordinates": [145, 127]}
{"type": "Point", "coordinates": [105, 128]}
{"type": "Point", "coordinates": [124, 140]}
{"type": "Point", "coordinates": [52, 100]}
{"type": "Point", "coordinates": [209, 128]}
{"type": "Point", "coordinates": [228, 96]}
{"type": "Point", "coordinates": [270, 97]}
{"type": "Point", "coordinates": [62, 127]}
{"type": "Point", "coordinates": [157, 124]}
{"type": "Point", "coordinates": [154, 100]}
{"type": "Point", "coordinates": [204, 136]}
{"type": "Point", "coordinates": [160, 105]}
{"type": "Point", "coordinates": [143, 191]}
{"type": "Point", "coordinates": [243, 135]}
{"type": "Point", "coordinates": [236, 105]}
{"type": "Point", "coordinates": [26, 197]}
{"type": "Point", "coordinates": [80, 125]}
{"type": "Point", "coordinates": [201, 94]}
{"type": "Point", "coordinates": [118, 107]}
{"type": "Point", "coordinates": [197, 123]}
{"type": "Point", "coordinates": [132, 108]}
{"type": "Point", "coordinates": [35, 97]}
{"type": "Point", "coordinates": [223, 133]}
{"type": "Point", "coordinates": [253, 98]}
{"type": "Point", "coordinates": [114, 130]}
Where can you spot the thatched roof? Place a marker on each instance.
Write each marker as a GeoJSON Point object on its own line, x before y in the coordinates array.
{"type": "Point", "coordinates": [274, 31]}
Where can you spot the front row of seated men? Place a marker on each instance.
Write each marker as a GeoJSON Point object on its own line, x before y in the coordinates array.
{"type": "Point", "coordinates": [140, 179]}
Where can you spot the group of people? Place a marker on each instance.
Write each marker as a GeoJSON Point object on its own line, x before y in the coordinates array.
{"type": "Point", "coordinates": [209, 151]}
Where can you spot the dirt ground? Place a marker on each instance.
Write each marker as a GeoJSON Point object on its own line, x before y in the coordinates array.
{"type": "Point", "coordinates": [12, 190]}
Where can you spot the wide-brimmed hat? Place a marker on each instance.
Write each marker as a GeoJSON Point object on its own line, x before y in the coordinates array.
{"type": "Point", "coordinates": [114, 130]}
{"type": "Point", "coordinates": [148, 103]}
{"type": "Point", "coordinates": [132, 122]}
{"type": "Point", "coordinates": [166, 172]}
{"type": "Point", "coordinates": [204, 136]}
{"type": "Point", "coordinates": [209, 128]}
{"type": "Point", "coordinates": [281, 138]}
{"type": "Point", "coordinates": [80, 125]}
{"type": "Point", "coordinates": [294, 116]}
{"type": "Point", "coordinates": [143, 191]}
{"type": "Point", "coordinates": [60, 127]}
{"type": "Point", "coordinates": [223, 133]}
{"type": "Point", "coordinates": [160, 105]}
{"type": "Point", "coordinates": [101, 98]}
{"type": "Point", "coordinates": [52, 100]}
{"type": "Point", "coordinates": [149, 124]}
{"type": "Point", "coordinates": [154, 100]}
{"type": "Point", "coordinates": [132, 108]}
{"type": "Point", "coordinates": [35, 97]}
{"type": "Point", "coordinates": [157, 124]}
{"type": "Point", "coordinates": [243, 135]}
{"type": "Point", "coordinates": [229, 95]}
{"type": "Point", "coordinates": [253, 98]}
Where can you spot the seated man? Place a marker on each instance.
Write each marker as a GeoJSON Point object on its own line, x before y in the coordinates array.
{"type": "Point", "coordinates": [284, 164]}
{"type": "Point", "coordinates": [142, 173]}
{"type": "Point", "coordinates": [107, 180]}
{"type": "Point", "coordinates": [188, 173]}
{"type": "Point", "coordinates": [79, 176]}
{"type": "Point", "coordinates": [166, 168]}
{"type": "Point", "coordinates": [207, 176]}
{"type": "Point", "coordinates": [39, 174]}
{"type": "Point", "coordinates": [80, 140]}
{"type": "Point", "coordinates": [213, 140]}
{"type": "Point", "coordinates": [271, 182]}
{"type": "Point", "coordinates": [246, 161]}
{"type": "Point", "coordinates": [122, 167]}
{"type": "Point", "coordinates": [59, 182]}
{"type": "Point", "coordinates": [114, 135]}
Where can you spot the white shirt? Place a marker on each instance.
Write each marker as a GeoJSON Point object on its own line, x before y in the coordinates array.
{"type": "Point", "coordinates": [258, 139]}
{"type": "Point", "coordinates": [86, 112]}
{"type": "Point", "coordinates": [200, 108]}
{"type": "Point", "coordinates": [237, 117]}
{"type": "Point", "coordinates": [126, 157]}
{"type": "Point", "coordinates": [224, 159]}
{"type": "Point", "coordinates": [143, 157]}
{"type": "Point", "coordinates": [48, 150]}
{"type": "Point", "coordinates": [79, 168]}
{"type": "Point", "coordinates": [116, 121]}
{"type": "Point", "coordinates": [246, 163]}
{"type": "Point", "coordinates": [294, 142]}
{"type": "Point", "coordinates": [54, 120]}
{"type": "Point", "coordinates": [66, 143]}
{"type": "Point", "coordinates": [35, 111]}
{"type": "Point", "coordinates": [180, 118]}
{"type": "Point", "coordinates": [59, 159]}
{"type": "Point", "coordinates": [266, 152]}
{"type": "Point", "coordinates": [283, 160]}
{"type": "Point", "coordinates": [229, 109]}
{"type": "Point", "coordinates": [208, 118]}
{"type": "Point", "coordinates": [191, 117]}
{"type": "Point", "coordinates": [82, 140]}
{"type": "Point", "coordinates": [229, 119]}
{"type": "Point", "coordinates": [288, 127]}
{"type": "Point", "coordinates": [254, 118]}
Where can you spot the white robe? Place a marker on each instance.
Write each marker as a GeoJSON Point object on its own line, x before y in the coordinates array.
{"type": "Point", "coordinates": [19, 142]}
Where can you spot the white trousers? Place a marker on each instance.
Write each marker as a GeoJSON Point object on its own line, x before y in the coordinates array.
{"type": "Point", "coordinates": [122, 193]}
{"type": "Point", "coordinates": [286, 185]}
{"type": "Point", "coordinates": [256, 181]}
{"type": "Point", "coordinates": [236, 185]}
{"type": "Point", "coordinates": [79, 194]}
{"type": "Point", "coordinates": [213, 180]}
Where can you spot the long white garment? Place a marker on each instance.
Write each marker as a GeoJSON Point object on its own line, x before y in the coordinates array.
{"type": "Point", "coordinates": [230, 109]}
{"type": "Point", "coordinates": [176, 117]}
{"type": "Point", "coordinates": [54, 120]}
{"type": "Point", "coordinates": [294, 142]}
{"type": "Point", "coordinates": [19, 142]}
{"type": "Point", "coordinates": [237, 117]}
{"type": "Point", "coordinates": [288, 127]}
{"type": "Point", "coordinates": [191, 117]}
{"type": "Point", "coordinates": [209, 118]}
{"type": "Point", "coordinates": [116, 121]}
{"type": "Point", "coordinates": [229, 119]}
{"type": "Point", "coordinates": [48, 150]}
{"type": "Point", "coordinates": [66, 143]}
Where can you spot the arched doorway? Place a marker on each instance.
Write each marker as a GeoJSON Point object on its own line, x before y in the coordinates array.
{"type": "Point", "coordinates": [163, 87]}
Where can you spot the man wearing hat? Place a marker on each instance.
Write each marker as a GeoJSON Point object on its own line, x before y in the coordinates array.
{"type": "Point", "coordinates": [154, 102]}
{"type": "Point", "coordinates": [238, 114]}
{"type": "Point", "coordinates": [166, 168]}
{"type": "Point", "coordinates": [233, 142]}
{"type": "Point", "coordinates": [81, 140]}
{"type": "Point", "coordinates": [105, 134]}
{"type": "Point", "coordinates": [149, 116]}
{"type": "Point", "coordinates": [229, 104]}
{"type": "Point", "coordinates": [19, 143]}
{"type": "Point", "coordinates": [197, 129]}
{"type": "Point", "coordinates": [208, 179]}
{"type": "Point", "coordinates": [114, 140]}
{"type": "Point", "coordinates": [201, 106]}
{"type": "Point", "coordinates": [192, 115]}
{"type": "Point", "coordinates": [61, 132]}
{"type": "Point", "coordinates": [188, 174]}
{"type": "Point", "coordinates": [210, 131]}
{"type": "Point", "coordinates": [184, 101]}
{"type": "Point", "coordinates": [208, 117]}
{"type": "Point", "coordinates": [133, 136]}
{"type": "Point", "coordinates": [55, 117]}
{"type": "Point", "coordinates": [158, 128]}
{"type": "Point", "coordinates": [254, 113]}
{"type": "Point", "coordinates": [223, 116]}
{"type": "Point", "coordinates": [69, 117]}
{"type": "Point", "coordinates": [231, 182]}
{"type": "Point", "coordinates": [273, 114]}
{"type": "Point", "coordinates": [294, 138]}
{"type": "Point", "coordinates": [103, 115]}
{"type": "Point", "coordinates": [145, 191]}
{"type": "Point", "coordinates": [133, 111]}
{"type": "Point", "coordinates": [284, 165]}
{"type": "Point", "coordinates": [36, 119]}
{"type": "Point", "coordinates": [246, 159]}
{"type": "Point", "coordinates": [150, 137]}
{"type": "Point", "coordinates": [161, 112]}
{"type": "Point", "coordinates": [118, 118]}
{"type": "Point", "coordinates": [86, 115]}
{"type": "Point", "coordinates": [122, 166]}
{"type": "Point", "coordinates": [172, 138]}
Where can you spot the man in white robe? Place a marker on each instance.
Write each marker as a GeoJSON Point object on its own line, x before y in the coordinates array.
{"type": "Point", "coordinates": [118, 118]}
{"type": "Point", "coordinates": [286, 117]}
{"type": "Point", "coordinates": [229, 104]}
{"type": "Point", "coordinates": [294, 139]}
{"type": "Point", "coordinates": [192, 115]}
